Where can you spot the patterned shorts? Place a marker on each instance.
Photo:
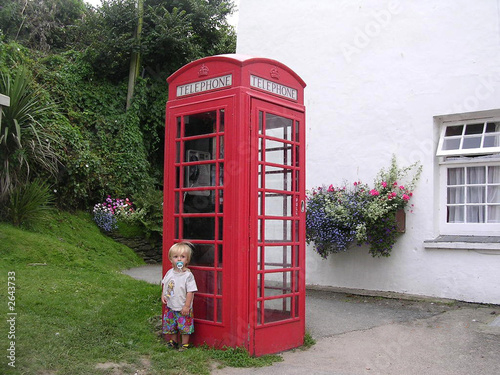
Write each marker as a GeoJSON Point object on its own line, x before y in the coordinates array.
{"type": "Point", "coordinates": [174, 321]}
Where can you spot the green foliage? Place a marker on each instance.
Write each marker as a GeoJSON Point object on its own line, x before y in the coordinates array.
{"type": "Point", "coordinates": [173, 34]}
{"type": "Point", "coordinates": [11, 17]}
{"type": "Point", "coordinates": [79, 57]}
{"type": "Point", "coordinates": [26, 142]}
{"type": "Point", "coordinates": [109, 30]}
{"type": "Point", "coordinates": [381, 234]}
{"type": "Point", "coordinates": [129, 230]}
{"type": "Point", "coordinates": [150, 203]}
{"type": "Point", "coordinates": [41, 24]}
{"type": "Point", "coordinates": [149, 102]}
{"type": "Point", "coordinates": [29, 204]}
{"type": "Point", "coordinates": [208, 19]}
{"type": "Point", "coordinates": [105, 152]}
{"type": "Point", "coordinates": [13, 55]}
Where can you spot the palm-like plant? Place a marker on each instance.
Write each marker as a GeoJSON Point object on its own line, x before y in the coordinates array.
{"type": "Point", "coordinates": [29, 204]}
{"type": "Point", "coordinates": [25, 143]}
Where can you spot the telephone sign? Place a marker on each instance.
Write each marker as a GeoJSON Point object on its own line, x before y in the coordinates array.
{"type": "Point", "coordinates": [273, 87]}
{"type": "Point", "coordinates": [205, 85]}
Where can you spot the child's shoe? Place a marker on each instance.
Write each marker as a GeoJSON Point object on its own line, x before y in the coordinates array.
{"type": "Point", "coordinates": [172, 344]}
{"type": "Point", "coordinates": [184, 347]}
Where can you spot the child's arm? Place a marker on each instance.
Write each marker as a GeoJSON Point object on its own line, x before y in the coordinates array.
{"type": "Point", "coordinates": [163, 296]}
{"type": "Point", "coordinates": [187, 305]}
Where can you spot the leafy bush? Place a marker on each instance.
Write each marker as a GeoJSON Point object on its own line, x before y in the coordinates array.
{"type": "Point", "coordinates": [103, 148]}
{"type": "Point", "coordinates": [337, 217]}
{"type": "Point", "coordinates": [26, 143]}
{"type": "Point", "coordinates": [29, 204]}
{"type": "Point", "coordinates": [41, 24]}
{"type": "Point", "coordinates": [106, 150]}
{"type": "Point", "coordinates": [151, 204]}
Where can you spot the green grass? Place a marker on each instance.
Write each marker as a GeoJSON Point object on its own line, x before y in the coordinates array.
{"type": "Point", "coordinates": [239, 357]}
{"type": "Point", "coordinates": [309, 341]}
{"type": "Point", "coordinates": [76, 310]}
{"type": "Point", "coordinates": [129, 230]}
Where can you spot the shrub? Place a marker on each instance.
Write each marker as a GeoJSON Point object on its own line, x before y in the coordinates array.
{"type": "Point", "coordinates": [29, 203]}
{"type": "Point", "coordinates": [150, 203]}
{"type": "Point", "coordinates": [26, 143]}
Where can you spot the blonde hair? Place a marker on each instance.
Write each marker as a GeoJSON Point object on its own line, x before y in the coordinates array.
{"type": "Point", "coordinates": [181, 248]}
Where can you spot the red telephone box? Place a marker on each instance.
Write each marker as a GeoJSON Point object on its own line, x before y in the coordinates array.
{"type": "Point", "coordinates": [235, 187]}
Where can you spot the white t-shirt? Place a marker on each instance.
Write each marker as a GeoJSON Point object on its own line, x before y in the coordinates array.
{"type": "Point", "coordinates": [176, 284]}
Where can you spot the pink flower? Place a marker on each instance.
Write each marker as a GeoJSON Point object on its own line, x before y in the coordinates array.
{"type": "Point", "coordinates": [402, 187]}
{"type": "Point", "coordinates": [331, 188]}
{"type": "Point", "coordinates": [374, 192]}
{"type": "Point", "coordinates": [406, 197]}
{"type": "Point", "coordinates": [384, 184]}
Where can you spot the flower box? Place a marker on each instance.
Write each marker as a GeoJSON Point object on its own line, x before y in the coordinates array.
{"type": "Point", "coordinates": [337, 217]}
{"type": "Point", "coordinates": [401, 221]}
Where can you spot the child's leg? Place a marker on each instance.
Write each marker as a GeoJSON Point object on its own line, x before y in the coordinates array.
{"type": "Point", "coordinates": [170, 327]}
{"type": "Point", "coordinates": [186, 327]}
{"type": "Point", "coordinates": [172, 337]}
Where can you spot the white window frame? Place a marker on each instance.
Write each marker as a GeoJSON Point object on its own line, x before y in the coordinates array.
{"type": "Point", "coordinates": [484, 138]}
{"type": "Point", "coordinates": [463, 158]}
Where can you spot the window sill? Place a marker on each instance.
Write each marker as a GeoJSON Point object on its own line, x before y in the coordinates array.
{"type": "Point", "coordinates": [464, 243]}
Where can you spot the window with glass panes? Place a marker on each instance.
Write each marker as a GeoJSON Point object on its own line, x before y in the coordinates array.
{"type": "Point", "coordinates": [278, 230]}
{"type": "Point", "coordinates": [198, 210]}
{"type": "Point", "coordinates": [473, 194]}
{"type": "Point", "coordinates": [469, 159]}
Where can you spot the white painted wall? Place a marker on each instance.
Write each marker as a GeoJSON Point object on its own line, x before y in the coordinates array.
{"type": "Point", "coordinates": [377, 72]}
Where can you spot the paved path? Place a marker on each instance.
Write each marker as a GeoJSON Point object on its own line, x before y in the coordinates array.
{"type": "Point", "coordinates": [359, 335]}
{"type": "Point", "coordinates": [150, 273]}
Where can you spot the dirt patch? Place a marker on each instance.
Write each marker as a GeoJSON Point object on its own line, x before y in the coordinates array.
{"type": "Point", "coordinates": [123, 368]}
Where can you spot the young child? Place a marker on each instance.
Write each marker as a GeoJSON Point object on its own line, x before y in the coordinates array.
{"type": "Point", "coordinates": [178, 293]}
